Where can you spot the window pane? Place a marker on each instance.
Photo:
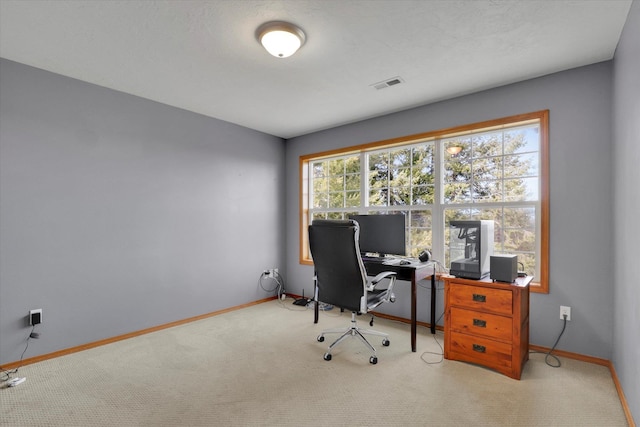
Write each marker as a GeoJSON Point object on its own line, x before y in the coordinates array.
{"type": "Point", "coordinates": [487, 168]}
{"type": "Point", "coordinates": [518, 233]}
{"type": "Point", "coordinates": [485, 175]}
{"type": "Point", "coordinates": [332, 186]}
{"type": "Point", "coordinates": [457, 193]}
{"type": "Point", "coordinates": [422, 174]}
{"type": "Point", "coordinates": [420, 233]}
{"type": "Point", "coordinates": [320, 185]}
{"type": "Point", "coordinates": [423, 195]}
{"type": "Point", "coordinates": [420, 219]}
{"type": "Point", "coordinates": [352, 182]}
{"type": "Point", "coordinates": [528, 261]}
{"type": "Point", "coordinates": [352, 164]}
{"type": "Point", "coordinates": [319, 169]}
{"type": "Point", "coordinates": [320, 200]}
{"type": "Point", "coordinates": [521, 189]}
{"type": "Point", "coordinates": [399, 176]}
{"type": "Point", "coordinates": [336, 200]}
{"type": "Point", "coordinates": [521, 165]}
{"type": "Point", "coordinates": [336, 167]}
{"type": "Point", "coordinates": [457, 169]}
{"type": "Point", "coordinates": [379, 162]}
{"type": "Point", "coordinates": [522, 140]}
{"type": "Point", "coordinates": [336, 183]}
{"type": "Point", "coordinates": [378, 197]}
{"type": "Point", "coordinates": [423, 154]}
{"type": "Point", "coordinates": [399, 158]}
{"type": "Point", "coordinates": [352, 199]}
{"type": "Point", "coordinates": [489, 144]}
{"type": "Point", "coordinates": [400, 196]}
{"type": "Point", "coordinates": [487, 191]}
{"type": "Point", "coordinates": [524, 217]}
{"type": "Point", "coordinates": [519, 240]}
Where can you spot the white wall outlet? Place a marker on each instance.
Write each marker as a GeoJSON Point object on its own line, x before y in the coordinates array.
{"type": "Point", "coordinates": [35, 317]}
{"type": "Point", "coordinates": [565, 311]}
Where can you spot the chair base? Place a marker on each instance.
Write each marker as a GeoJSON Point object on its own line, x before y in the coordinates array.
{"type": "Point", "coordinates": [354, 331]}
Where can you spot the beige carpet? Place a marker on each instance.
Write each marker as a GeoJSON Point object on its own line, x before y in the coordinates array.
{"type": "Point", "coordinates": [262, 366]}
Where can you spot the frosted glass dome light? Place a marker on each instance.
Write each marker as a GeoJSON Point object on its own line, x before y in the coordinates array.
{"type": "Point", "coordinates": [280, 39]}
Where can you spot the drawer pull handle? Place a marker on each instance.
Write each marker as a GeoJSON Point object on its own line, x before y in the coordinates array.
{"type": "Point", "coordinates": [480, 323]}
{"type": "Point", "coordinates": [479, 348]}
{"type": "Point", "coordinates": [479, 298]}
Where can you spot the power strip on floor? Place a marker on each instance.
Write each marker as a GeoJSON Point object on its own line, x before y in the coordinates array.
{"type": "Point", "coordinates": [15, 381]}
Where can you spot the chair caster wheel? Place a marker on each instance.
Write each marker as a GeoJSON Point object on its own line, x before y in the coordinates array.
{"type": "Point", "coordinates": [327, 356]}
{"type": "Point", "coordinates": [386, 342]}
{"type": "Point", "coordinates": [373, 360]}
{"type": "Point", "coordinates": [320, 338]}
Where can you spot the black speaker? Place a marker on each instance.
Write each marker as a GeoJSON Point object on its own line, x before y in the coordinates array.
{"type": "Point", "coordinates": [504, 268]}
{"type": "Point", "coordinates": [424, 256]}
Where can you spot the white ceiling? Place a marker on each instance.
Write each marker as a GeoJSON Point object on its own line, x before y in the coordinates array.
{"type": "Point", "coordinates": [203, 56]}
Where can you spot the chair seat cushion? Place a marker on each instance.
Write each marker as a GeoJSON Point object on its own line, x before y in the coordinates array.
{"type": "Point", "coordinates": [376, 296]}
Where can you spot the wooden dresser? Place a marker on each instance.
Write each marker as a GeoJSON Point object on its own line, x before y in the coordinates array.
{"type": "Point", "coordinates": [487, 323]}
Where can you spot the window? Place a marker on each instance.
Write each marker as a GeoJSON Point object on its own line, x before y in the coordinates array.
{"type": "Point", "coordinates": [494, 170]}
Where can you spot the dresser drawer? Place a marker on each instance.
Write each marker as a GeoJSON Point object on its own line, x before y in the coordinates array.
{"type": "Point", "coordinates": [480, 298]}
{"type": "Point", "coordinates": [480, 350]}
{"type": "Point", "coordinates": [478, 323]}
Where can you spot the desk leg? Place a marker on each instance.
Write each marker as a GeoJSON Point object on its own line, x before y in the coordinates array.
{"type": "Point", "coordinates": [433, 303]}
{"type": "Point", "coordinates": [414, 324]}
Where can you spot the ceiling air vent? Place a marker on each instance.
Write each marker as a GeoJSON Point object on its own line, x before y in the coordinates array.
{"type": "Point", "coordinates": [387, 83]}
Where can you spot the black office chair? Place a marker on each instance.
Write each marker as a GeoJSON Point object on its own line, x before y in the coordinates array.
{"type": "Point", "coordinates": [341, 279]}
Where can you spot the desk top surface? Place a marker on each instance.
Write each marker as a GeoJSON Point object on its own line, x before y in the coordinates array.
{"type": "Point", "coordinates": [420, 269]}
{"type": "Point", "coordinates": [404, 262]}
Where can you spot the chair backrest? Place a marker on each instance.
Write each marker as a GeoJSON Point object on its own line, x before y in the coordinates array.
{"type": "Point", "coordinates": [340, 273]}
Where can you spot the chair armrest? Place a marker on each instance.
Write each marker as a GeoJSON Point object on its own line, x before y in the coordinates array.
{"type": "Point", "coordinates": [388, 292]}
{"type": "Point", "coordinates": [381, 276]}
{"type": "Point", "coordinates": [391, 275]}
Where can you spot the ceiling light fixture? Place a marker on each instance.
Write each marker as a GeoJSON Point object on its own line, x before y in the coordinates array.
{"type": "Point", "coordinates": [280, 39]}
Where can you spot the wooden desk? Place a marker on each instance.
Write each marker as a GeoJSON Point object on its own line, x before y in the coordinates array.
{"type": "Point", "coordinates": [487, 323]}
{"type": "Point", "coordinates": [412, 273]}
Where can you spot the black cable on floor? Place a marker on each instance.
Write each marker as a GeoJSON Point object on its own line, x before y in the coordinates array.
{"type": "Point", "coordinates": [6, 375]}
{"type": "Point", "coordinates": [548, 354]}
{"type": "Point", "coordinates": [440, 354]}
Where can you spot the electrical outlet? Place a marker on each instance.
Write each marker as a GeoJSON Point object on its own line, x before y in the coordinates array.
{"type": "Point", "coordinates": [272, 272]}
{"type": "Point", "coordinates": [565, 311]}
{"type": "Point", "coordinates": [35, 317]}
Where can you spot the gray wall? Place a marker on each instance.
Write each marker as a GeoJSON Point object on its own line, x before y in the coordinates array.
{"type": "Point", "coordinates": [579, 101]}
{"type": "Point", "coordinates": [119, 214]}
{"type": "Point", "coordinates": [626, 177]}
